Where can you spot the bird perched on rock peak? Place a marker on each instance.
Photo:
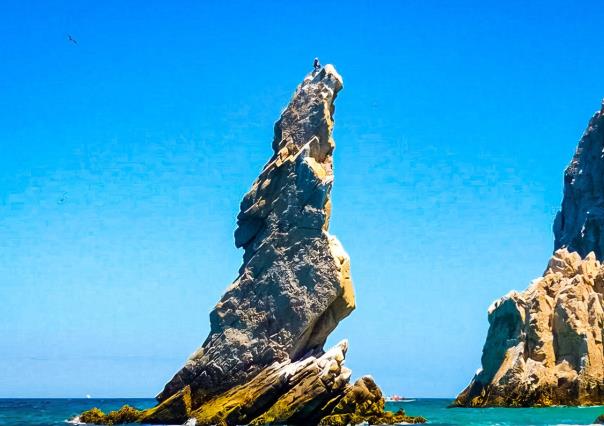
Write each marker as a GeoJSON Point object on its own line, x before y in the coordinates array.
{"type": "Point", "coordinates": [316, 64]}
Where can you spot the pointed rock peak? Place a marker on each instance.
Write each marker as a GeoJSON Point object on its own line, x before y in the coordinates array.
{"type": "Point", "coordinates": [579, 225]}
{"type": "Point", "coordinates": [327, 76]}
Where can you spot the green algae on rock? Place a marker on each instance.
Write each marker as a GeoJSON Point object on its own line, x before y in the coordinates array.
{"type": "Point", "coordinates": [263, 361]}
{"type": "Point", "coordinates": [364, 402]}
{"type": "Point", "coordinates": [126, 414]}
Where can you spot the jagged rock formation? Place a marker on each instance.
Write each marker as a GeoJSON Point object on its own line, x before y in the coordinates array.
{"type": "Point", "coordinates": [579, 225]}
{"type": "Point", "coordinates": [294, 285]}
{"type": "Point", "coordinates": [263, 361]}
{"type": "Point", "coordinates": [544, 345]}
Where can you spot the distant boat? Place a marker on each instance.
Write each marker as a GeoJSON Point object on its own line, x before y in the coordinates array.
{"type": "Point", "coordinates": [398, 398]}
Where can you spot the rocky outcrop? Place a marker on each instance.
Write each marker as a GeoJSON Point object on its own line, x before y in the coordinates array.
{"type": "Point", "coordinates": [294, 285]}
{"type": "Point", "coordinates": [579, 225]}
{"type": "Point", "coordinates": [263, 361]}
{"type": "Point", "coordinates": [544, 345]}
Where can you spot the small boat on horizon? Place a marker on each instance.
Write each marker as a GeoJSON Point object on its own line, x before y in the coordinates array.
{"type": "Point", "coordinates": [398, 398]}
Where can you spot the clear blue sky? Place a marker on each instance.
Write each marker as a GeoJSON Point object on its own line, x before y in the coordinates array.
{"type": "Point", "coordinates": [123, 160]}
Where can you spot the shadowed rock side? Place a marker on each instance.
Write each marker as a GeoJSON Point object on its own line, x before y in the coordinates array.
{"type": "Point", "coordinates": [263, 361]}
{"type": "Point", "coordinates": [579, 225]}
{"type": "Point", "coordinates": [544, 345]}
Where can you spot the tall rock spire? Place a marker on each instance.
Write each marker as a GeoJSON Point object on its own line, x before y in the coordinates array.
{"type": "Point", "coordinates": [263, 361]}
{"type": "Point", "coordinates": [294, 285]}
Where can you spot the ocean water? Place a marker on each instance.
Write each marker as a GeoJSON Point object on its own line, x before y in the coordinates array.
{"type": "Point", "coordinates": [50, 412]}
{"type": "Point", "coordinates": [437, 413]}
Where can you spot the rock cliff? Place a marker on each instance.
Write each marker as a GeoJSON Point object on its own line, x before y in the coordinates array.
{"type": "Point", "coordinates": [544, 345]}
{"type": "Point", "coordinates": [263, 361]}
{"type": "Point", "coordinates": [579, 225]}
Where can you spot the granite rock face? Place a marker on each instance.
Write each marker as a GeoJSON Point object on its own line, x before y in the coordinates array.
{"type": "Point", "coordinates": [294, 285]}
{"type": "Point", "coordinates": [579, 225]}
{"type": "Point", "coordinates": [544, 345]}
{"type": "Point", "coordinates": [263, 361]}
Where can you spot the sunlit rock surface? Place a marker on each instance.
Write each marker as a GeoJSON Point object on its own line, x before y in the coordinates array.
{"type": "Point", "coordinates": [263, 361]}
{"type": "Point", "coordinates": [544, 345]}
{"type": "Point", "coordinates": [294, 285]}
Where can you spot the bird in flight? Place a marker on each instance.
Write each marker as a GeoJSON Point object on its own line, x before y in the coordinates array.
{"type": "Point", "coordinates": [62, 199]}
{"type": "Point", "coordinates": [71, 39]}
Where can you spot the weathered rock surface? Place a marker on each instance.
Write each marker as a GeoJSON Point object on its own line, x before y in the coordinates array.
{"type": "Point", "coordinates": [263, 361]}
{"type": "Point", "coordinates": [294, 285]}
{"type": "Point", "coordinates": [544, 346]}
{"type": "Point", "coordinates": [579, 225]}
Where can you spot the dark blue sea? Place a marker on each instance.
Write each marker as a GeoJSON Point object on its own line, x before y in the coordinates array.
{"type": "Point", "coordinates": [48, 412]}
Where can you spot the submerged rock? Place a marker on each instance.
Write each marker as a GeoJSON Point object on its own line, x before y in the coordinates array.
{"type": "Point", "coordinates": [544, 345]}
{"type": "Point", "coordinates": [263, 361]}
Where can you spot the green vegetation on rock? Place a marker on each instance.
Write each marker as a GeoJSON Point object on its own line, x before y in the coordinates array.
{"type": "Point", "coordinates": [126, 414]}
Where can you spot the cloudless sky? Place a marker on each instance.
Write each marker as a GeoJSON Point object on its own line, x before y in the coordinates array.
{"type": "Point", "coordinates": [123, 160]}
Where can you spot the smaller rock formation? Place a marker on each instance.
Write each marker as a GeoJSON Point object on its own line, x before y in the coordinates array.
{"type": "Point", "coordinates": [544, 345]}
{"type": "Point", "coordinates": [599, 420]}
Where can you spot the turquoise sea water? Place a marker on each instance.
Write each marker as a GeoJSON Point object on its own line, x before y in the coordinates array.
{"type": "Point", "coordinates": [49, 412]}
{"type": "Point", "coordinates": [437, 413]}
